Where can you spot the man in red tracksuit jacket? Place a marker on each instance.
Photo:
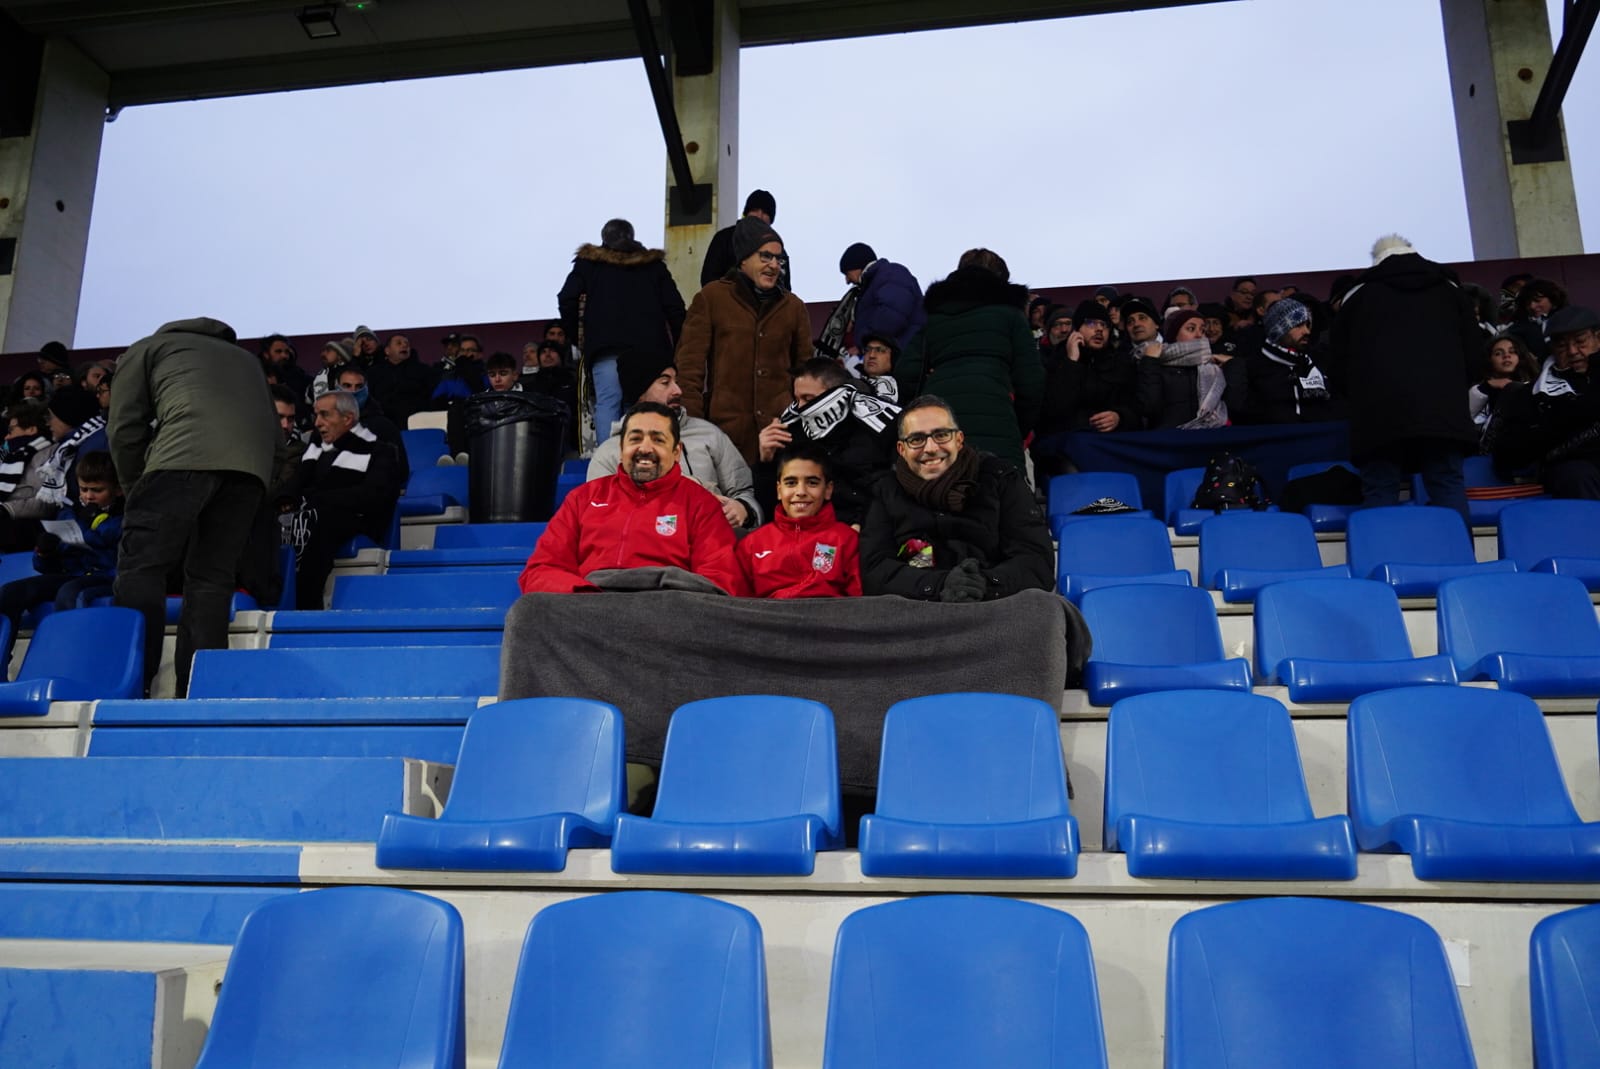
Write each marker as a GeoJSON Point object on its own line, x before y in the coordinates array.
{"type": "Point", "coordinates": [647, 515]}
{"type": "Point", "coordinates": [805, 552]}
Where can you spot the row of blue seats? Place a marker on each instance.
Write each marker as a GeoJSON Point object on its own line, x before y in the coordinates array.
{"type": "Point", "coordinates": [82, 655]}
{"type": "Point", "coordinates": [1333, 639]}
{"type": "Point", "coordinates": [376, 976]}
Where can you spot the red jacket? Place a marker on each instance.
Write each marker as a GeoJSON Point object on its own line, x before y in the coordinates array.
{"type": "Point", "coordinates": [816, 557]}
{"type": "Point", "coordinates": [617, 523]}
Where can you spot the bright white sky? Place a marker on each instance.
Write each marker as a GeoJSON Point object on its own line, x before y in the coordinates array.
{"type": "Point", "coordinates": [1265, 137]}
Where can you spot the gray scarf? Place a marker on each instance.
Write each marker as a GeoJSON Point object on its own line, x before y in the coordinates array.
{"type": "Point", "coordinates": [1210, 411]}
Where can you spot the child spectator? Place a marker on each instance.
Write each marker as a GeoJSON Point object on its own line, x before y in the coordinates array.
{"type": "Point", "coordinates": [805, 552]}
{"type": "Point", "coordinates": [503, 374]}
{"type": "Point", "coordinates": [71, 572]}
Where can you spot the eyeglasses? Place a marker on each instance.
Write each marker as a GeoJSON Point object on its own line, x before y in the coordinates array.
{"type": "Point", "coordinates": [879, 349]}
{"type": "Point", "coordinates": [769, 257]}
{"type": "Point", "coordinates": [942, 436]}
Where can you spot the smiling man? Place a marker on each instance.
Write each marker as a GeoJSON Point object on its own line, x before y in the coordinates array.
{"type": "Point", "coordinates": [647, 515]}
{"type": "Point", "coordinates": [952, 524]}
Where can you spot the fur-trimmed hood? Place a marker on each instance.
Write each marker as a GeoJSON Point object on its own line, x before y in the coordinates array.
{"type": "Point", "coordinates": [635, 256]}
{"type": "Point", "coordinates": [973, 286]}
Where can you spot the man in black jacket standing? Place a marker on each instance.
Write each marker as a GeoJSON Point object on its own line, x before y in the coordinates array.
{"type": "Point", "coordinates": [719, 254]}
{"type": "Point", "coordinates": [1404, 341]}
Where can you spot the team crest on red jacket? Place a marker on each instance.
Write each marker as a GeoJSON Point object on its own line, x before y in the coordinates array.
{"type": "Point", "coordinates": [822, 557]}
{"type": "Point", "coordinates": [667, 526]}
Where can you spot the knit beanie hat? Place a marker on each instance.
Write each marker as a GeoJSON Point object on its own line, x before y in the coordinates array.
{"type": "Point", "coordinates": [856, 257]}
{"type": "Point", "coordinates": [1175, 321]}
{"type": "Point", "coordinates": [364, 331]}
{"type": "Point", "coordinates": [1390, 245]}
{"type": "Point", "coordinates": [340, 348]}
{"type": "Point", "coordinates": [74, 406]}
{"type": "Point", "coordinates": [617, 234]}
{"type": "Point", "coordinates": [1214, 310]}
{"type": "Point", "coordinates": [1139, 304]}
{"type": "Point", "coordinates": [635, 373]}
{"type": "Point", "coordinates": [1284, 315]}
{"type": "Point", "coordinates": [760, 200]}
{"type": "Point", "coordinates": [1056, 314]}
{"type": "Point", "coordinates": [749, 234]}
{"type": "Point", "coordinates": [1088, 310]}
{"type": "Point", "coordinates": [1108, 292]}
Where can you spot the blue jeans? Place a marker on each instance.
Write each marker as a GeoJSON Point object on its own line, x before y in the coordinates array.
{"type": "Point", "coordinates": [1439, 464]}
{"type": "Point", "coordinates": [608, 404]}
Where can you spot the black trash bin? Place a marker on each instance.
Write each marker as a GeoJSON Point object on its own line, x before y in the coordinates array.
{"type": "Point", "coordinates": [515, 442]}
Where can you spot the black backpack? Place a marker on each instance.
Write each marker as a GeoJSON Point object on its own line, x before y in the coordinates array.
{"type": "Point", "coordinates": [1230, 483]}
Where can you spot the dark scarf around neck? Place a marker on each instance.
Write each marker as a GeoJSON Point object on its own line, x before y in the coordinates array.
{"type": "Point", "coordinates": [950, 492]}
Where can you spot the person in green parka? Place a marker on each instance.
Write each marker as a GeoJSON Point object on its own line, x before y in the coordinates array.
{"type": "Point", "coordinates": [978, 353]}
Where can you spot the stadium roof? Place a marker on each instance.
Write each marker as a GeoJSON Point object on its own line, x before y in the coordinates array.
{"type": "Point", "coordinates": [165, 50]}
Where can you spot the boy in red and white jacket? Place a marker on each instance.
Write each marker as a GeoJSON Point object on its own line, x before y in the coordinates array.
{"type": "Point", "coordinates": [805, 552]}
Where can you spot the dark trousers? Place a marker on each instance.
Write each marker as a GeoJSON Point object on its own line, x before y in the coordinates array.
{"type": "Point", "coordinates": [67, 591]}
{"type": "Point", "coordinates": [1573, 478]}
{"type": "Point", "coordinates": [332, 529]}
{"type": "Point", "coordinates": [1439, 464]}
{"type": "Point", "coordinates": [201, 520]}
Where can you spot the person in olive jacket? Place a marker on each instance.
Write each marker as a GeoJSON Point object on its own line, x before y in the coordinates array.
{"type": "Point", "coordinates": [950, 523]}
{"type": "Point", "coordinates": [742, 341]}
{"type": "Point", "coordinates": [978, 352]}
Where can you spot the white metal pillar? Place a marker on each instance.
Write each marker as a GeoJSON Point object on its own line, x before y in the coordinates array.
{"type": "Point", "coordinates": [708, 112]}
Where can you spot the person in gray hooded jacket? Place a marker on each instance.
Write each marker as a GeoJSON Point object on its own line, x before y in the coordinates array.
{"type": "Point", "coordinates": [192, 433]}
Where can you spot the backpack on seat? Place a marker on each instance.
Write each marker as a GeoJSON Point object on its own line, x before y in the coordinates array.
{"type": "Point", "coordinates": [1230, 483]}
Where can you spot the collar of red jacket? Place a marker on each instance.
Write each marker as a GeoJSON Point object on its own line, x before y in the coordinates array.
{"type": "Point", "coordinates": [823, 518]}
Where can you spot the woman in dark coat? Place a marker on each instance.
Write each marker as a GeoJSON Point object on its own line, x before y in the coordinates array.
{"type": "Point", "coordinates": [977, 352]}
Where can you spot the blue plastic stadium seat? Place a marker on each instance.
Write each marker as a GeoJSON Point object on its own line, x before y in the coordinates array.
{"type": "Point", "coordinates": [454, 557]}
{"type": "Point", "coordinates": [1329, 642]}
{"type": "Point", "coordinates": [1563, 960]}
{"type": "Point", "coordinates": [635, 978]}
{"type": "Point", "coordinates": [1562, 537]}
{"type": "Point", "coordinates": [567, 482]}
{"type": "Point", "coordinates": [1324, 517]}
{"type": "Point", "coordinates": [535, 777]}
{"type": "Point", "coordinates": [424, 447]}
{"type": "Point", "coordinates": [1112, 551]}
{"type": "Point", "coordinates": [473, 600]}
{"type": "Point", "coordinates": [80, 655]}
{"type": "Point", "coordinates": [356, 976]}
{"type": "Point", "coordinates": [1207, 785]}
{"type": "Point", "coordinates": [1414, 548]}
{"type": "Point", "coordinates": [1149, 638]}
{"type": "Point", "coordinates": [1464, 780]}
{"type": "Point", "coordinates": [430, 491]}
{"type": "Point", "coordinates": [971, 785]}
{"type": "Point", "coordinates": [952, 981]}
{"type": "Point", "coordinates": [1069, 493]}
{"type": "Point", "coordinates": [487, 535]}
{"type": "Point", "coordinates": [1310, 983]}
{"type": "Point", "coordinates": [1241, 551]}
{"type": "Point", "coordinates": [1177, 492]}
{"type": "Point", "coordinates": [1477, 473]}
{"type": "Point", "coordinates": [575, 466]}
{"type": "Point", "coordinates": [749, 786]}
{"type": "Point", "coordinates": [369, 672]}
{"type": "Point", "coordinates": [1534, 634]}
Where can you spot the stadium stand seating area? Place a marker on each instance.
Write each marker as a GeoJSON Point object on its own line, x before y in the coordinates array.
{"type": "Point", "coordinates": [506, 901]}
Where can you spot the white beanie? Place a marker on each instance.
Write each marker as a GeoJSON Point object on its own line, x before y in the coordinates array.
{"type": "Point", "coordinates": [1389, 245]}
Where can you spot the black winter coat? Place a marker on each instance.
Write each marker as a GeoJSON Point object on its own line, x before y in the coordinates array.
{"type": "Point", "coordinates": [1169, 397]}
{"type": "Point", "coordinates": [632, 306]}
{"type": "Point", "coordinates": [1100, 380]}
{"type": "Point", "coordinates": [1002, 528]}
{"type": "Point", "coordinates": [1269, 393]}
{"type": "Point", "coordinates": [402, 389]}
{"type": "Point", "coordinates": [1531, 428]}
{"type": "Point", "coordinates": [1404, 343]}
{"type": "Point", "coordinates": [859, 459]}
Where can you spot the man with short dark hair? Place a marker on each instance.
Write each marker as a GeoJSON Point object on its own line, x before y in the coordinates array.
{"type": "Point", "coordinates": [952, 524]}
{"type": "Point", "coordinates": [400, 381]}
{"type": "Point", "coordinates": [278, 357]}
{"type": "Point", "coordinates": [465, 376]}
{"type": "Point", "coordinates": [647, 515]}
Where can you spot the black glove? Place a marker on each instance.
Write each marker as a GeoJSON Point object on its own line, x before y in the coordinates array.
{"type": "Point", "coordinates": [964, 583]}
{"type": "Point", "coordinates": [47, 543]}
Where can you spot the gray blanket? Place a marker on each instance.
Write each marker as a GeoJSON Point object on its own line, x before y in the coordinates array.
{"type": "Point", "coordinates": [648, 653]}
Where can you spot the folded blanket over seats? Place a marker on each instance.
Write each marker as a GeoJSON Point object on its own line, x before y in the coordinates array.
{"type": "Point", "coordinates": [649, 652]}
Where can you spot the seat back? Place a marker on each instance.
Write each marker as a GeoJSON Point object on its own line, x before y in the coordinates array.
{"type": "Point", "coordinates": [474, 588]}
{"type": "Point", "coordinates": [424, 446]}
{"type": "Point", "coordinates": [540, 755]}
{"type": "Point", "coordinates": [449, 483]}
{"type": "Point", "coordinates": [1178, 491]}
{"type": "Point", "coordinates": [1410, 534]}
{"type": "Point", "coordinates": [1312, 983]}
{"type": "Point", "coordinates": [101, 648]}
{"type": "Point", "coordinates": [633, 978]}
{"type": "Point", "coordinates": [959, 980]}
{"type": "Point", "coordinates": [347, 976]}
{"type": "Point", "coordinates": [1115, 545]}
{"type": "Point", "coordinates": [1458, 753]}
{"type": "Point", "coordinates": [1270, 541]}
{"type": "Point", "coordinates": [479, 535]}
{"type": "Point", "coordinates": [1069, 493]}
{"type": "Point", "coordinates": [1532, 531]}
{"type": "Point", "coordinates": [335, 672]}
{"type": "Point", "coordinates": [748, 758]}
{"type": "Point", "coordinates": [1563, 960]}
{"type": "Point", "coordinates": [1153, 625]}
{"type": "Point", "coordinates": [1317, 467]}
{"type": "Point", "coordinates": [1211, 757]}
{"type": "Point", "coordinates": [1515, 612]}
{"type": "Point", "coordinates": [1331, 620]}
{"type": "Point", "coordinates": [971, 759]}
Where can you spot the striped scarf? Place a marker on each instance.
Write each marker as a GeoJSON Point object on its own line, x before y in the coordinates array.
{"type": "Point", "coordinates": [14, 460]}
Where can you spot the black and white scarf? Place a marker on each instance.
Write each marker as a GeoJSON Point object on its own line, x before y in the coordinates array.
{"type": "Point", "coordinates": [831, 342]}
{"type": "Point", "coordinates": [14, 461]}
{"type": "Point", "coordinates": [827, 413]}
{"type": "Point", "coordinates": [1309, 383]}
{"type": "Point", "coordinates": [53, 472]}
{"type": "Point", "coordinates": [1550, 382]}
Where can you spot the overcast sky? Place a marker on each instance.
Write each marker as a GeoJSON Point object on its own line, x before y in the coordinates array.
{"type": "Point", "coordinates": [1267, 136]}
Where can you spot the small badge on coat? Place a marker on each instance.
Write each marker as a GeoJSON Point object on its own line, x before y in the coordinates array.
{"type": "Point", "coordinates": [822, 557]}
{"type": "Point", "coordinates": [667, 526]}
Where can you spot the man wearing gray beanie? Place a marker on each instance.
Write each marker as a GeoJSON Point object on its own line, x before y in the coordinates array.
{"type": "Point", "coordinates": [720, 258]}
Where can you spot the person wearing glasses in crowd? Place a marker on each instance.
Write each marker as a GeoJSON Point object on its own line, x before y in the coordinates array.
{"type": "Point", "coordinates": [742, 339]}
{"type": "Point", "coordinates": [951, 523]}
{"type": "Point", "coordinates": [1556, 422]}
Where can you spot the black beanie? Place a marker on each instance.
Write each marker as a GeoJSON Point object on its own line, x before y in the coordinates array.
{"type": "Point", "coordinates": [1088, 310]}
{"type": "Point", "coordinates": [856, 257]}
{"type": "Point", "coordinates": [1139, 304]}
{"type": "Point", "coordinates": [760, 200]}
{"type": "Point", "coordinates": [749, 234]}
{"type": "Point", "coordinates": [635, 373]}
{"type": "Point", "coordinates": [74, 406]}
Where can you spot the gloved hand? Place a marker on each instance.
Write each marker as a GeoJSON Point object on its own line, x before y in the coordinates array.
{"type": "Point", "coordinates": [47, 543]}
{"type": "Point", "coordinates": [964, 583]}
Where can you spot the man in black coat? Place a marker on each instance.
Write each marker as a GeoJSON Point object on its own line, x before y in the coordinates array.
{"type": "Point", "coordinates": [1555, 423]}
{"type": "Point", "coordinates": [719, 253]}
{"type": "Point", "coordinates": [950, 523]}
{"type": "Point", "coordinates": [1404, 342]}
{"type": "Point", "coordinates": [1088, 384]}
{"type": "Point", "coordinates": [400, 381]}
